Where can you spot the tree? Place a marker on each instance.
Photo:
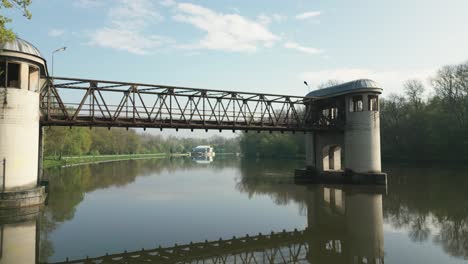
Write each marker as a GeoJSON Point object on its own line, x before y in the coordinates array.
{"type": "Point", "coordinates": [451, 86]}
{"type": "Point", "coordinates": [414, 90]}
{"type": "Point", "coordinates": [6, 34]}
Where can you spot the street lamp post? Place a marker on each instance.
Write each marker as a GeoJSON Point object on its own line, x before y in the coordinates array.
{"type": "Point", "coordinates": [53, 53]}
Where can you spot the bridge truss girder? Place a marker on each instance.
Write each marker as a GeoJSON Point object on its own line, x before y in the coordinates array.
{"type": "Point", "coordinates": [83, 102]}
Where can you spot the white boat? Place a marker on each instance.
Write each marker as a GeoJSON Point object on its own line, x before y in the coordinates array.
{"type": "Point", "coordinates": [207, 151]}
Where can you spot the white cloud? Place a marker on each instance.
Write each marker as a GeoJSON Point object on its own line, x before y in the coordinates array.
{"type": "Point", "coordinates": [267, 19]}
{"type": "Point", "coordinates": [168, 2]}
{"type": "Point", "coordinates": [229, 32]}
{"type": "Point", "coordinates": [88, 3]}
{"type": "Point", "coordinates": [391, 81]}
{"type": "Point", "coordinates": [295, 46]}
{"type": "Point", "coordinates": [278, 17]}
{"type": "Point", "coordinates": [307, 15]}
{"type": "Point", "coordinates": [128, 21]}
{"type": "Point", "coordinates": [126, 40]}
{"type": "Point", "coordinates": [264, 19]}
{"type": "Point", "coordinates": [56, 32]}
{"type": "Point", "coordinates": [134, 14]}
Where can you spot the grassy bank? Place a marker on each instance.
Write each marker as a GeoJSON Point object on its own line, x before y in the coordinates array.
{"type": "Point", "coordinates": [50, 162]}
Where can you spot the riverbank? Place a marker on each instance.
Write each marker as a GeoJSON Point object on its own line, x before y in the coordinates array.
{"type": "Point", "coordinates": [50, 162]}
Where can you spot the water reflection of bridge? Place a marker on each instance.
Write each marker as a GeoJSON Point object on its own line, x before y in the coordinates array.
{"type": "Point", "coordinates": [343, 226]}
{"type": "Point", "coordinates": [283, 247]}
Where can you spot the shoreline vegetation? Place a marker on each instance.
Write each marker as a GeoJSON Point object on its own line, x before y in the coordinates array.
{"type": "Point", "coordinates": [68, 161]}
{"type": "Point", "coordinates": [66, 147]}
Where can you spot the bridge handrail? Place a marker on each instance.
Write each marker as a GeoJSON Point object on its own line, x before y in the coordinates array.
{"type": "Point", "coordinates": [173, 87]}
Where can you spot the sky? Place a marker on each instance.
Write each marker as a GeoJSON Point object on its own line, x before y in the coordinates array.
{"type": "Point", "coordinates": [268, 46]}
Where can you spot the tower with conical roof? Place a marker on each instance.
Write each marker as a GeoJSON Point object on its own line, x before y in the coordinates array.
{"type": "Point", "coordinates": [348, 150]}
{"type": "Point", "coordinates": [22, 72]}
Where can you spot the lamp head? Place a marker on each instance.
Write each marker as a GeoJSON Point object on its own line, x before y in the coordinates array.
{"type": "Point", "coordinates": [60, 49]}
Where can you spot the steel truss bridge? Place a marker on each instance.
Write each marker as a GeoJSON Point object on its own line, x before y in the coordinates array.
{"type": "Point", "coordinates": [283, 247]}
{"type": "Point", "coordinates": [83, 102]}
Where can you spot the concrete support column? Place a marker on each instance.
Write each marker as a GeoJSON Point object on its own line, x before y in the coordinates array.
{"type": "Point", "coordinates": [20, 143]}
{"type": "Point", "coordinates": [24, 76]}
{"type": "Point", "coordinates": [362, 139]}
{"type": "Point", "coordinates": [40, 155]}
{"type": "Point", "coordinates": [310, 149]}
{"type": "Point", "coordinates": [19, 139]}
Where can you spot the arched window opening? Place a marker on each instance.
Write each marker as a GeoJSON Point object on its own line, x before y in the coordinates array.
{"type": "Point", "coordinates": [356, 104]}
{"type": "Point", "coordinates": [13, 75]}
{"type": "Point", "coordinates": [331, 158]}
{"type": "Point", "coordinates": [373, 103]}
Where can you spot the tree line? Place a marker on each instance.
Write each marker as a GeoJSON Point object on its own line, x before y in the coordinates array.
{"type": "Point", "coordinates": [64, 141]}
{"type": "Point", "coordinates": [415, 127]}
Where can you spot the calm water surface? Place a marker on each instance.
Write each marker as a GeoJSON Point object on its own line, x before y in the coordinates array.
{"type": "Point", "coordinates": [125, 206]}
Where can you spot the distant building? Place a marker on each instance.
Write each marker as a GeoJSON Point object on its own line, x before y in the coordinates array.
{"type": "Point", "coordinates": [203, 151]}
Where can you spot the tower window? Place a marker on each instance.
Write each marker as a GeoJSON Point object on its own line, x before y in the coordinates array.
{"type": "Point", "coordinates": [13, 74]}
{"type": "Point", "coordinates": [33, 79]}
{"type": "Point", "coordinates": [373, 103]}
{"type": "Point", "coordinates": [355, 104]}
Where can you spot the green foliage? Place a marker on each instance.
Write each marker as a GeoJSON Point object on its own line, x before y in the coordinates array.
{"type": "Point", "coordinates": [63, 141]}
{"type": "Point", "coordinates": [432, 129]}
{"type": "Point", "coordinates": [6, 34]}
{"type": "Point", "coordinates": [266, 144]}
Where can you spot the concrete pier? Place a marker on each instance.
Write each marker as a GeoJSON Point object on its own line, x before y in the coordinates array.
{"type": "Point", "coordinates": [348, 151]}
{"type": "Point", "coordinates": [23, 71]}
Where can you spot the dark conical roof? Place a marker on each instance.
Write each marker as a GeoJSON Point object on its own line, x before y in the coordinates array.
{"type": "Point", "coordinates": [21, 45]}
{"type": "Point", "coordinates": [348, 87]}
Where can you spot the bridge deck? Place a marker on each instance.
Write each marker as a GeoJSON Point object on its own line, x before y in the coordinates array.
{"type": "Point", "coordinates": [82, 102]}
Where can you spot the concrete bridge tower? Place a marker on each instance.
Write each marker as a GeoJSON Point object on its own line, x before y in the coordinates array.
{"type": "Point", "coordinates": [23, 71]}
{"type": "Point", "coordinates": [345, 145]}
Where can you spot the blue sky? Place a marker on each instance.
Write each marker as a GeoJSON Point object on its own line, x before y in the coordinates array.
{"type": "Point", "coordinates": [263, 46]}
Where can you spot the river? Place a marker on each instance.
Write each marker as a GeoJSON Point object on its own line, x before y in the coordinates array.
{"type": "Point", "coordinates": [421, 217]}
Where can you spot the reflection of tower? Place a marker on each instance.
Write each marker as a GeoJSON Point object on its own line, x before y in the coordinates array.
{"type": "Point", "coordinates": [364, 219]}
{"type": "Point", "coordinates": [344, 226]}
{"type": "Point", "coordinates": [19, 235]}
